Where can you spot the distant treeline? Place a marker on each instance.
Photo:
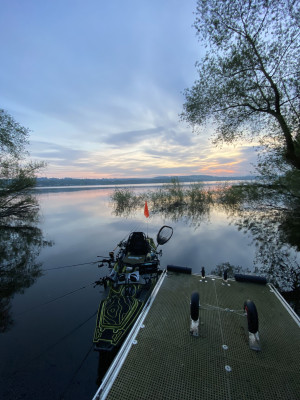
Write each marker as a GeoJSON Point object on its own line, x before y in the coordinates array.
{"type": "Point", "coordinates": [46, 182]}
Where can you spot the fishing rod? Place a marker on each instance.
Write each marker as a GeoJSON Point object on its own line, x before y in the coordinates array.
{"type": "Point", "coordinates": [105, 259]}
{"type": "Point", "coordinates": [73, 265]}
{"type": "Point", "coordinates": [50, 347]}
{"type": "Point", "coordinates": [61, 397]}
{"type": "Point", "coordinates": [55, 299]}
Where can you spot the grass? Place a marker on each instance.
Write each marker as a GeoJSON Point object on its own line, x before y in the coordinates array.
{"type": "Point", "coordinates": [172, 199]}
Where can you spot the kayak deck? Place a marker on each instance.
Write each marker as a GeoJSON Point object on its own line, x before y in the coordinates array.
{"type": "Point", "coordinates": [164, 361]}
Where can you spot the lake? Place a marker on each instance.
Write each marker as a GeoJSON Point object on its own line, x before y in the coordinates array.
{"type": "Point", "coordinates": [47, 352]}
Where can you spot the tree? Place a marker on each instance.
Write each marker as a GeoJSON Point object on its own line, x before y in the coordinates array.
{"type": "Point", "coordinates": [21, 241]}
{"type": "Point", "coordinates": [17, 175]}
{"type": "Point", "coordinates": [248, 82]}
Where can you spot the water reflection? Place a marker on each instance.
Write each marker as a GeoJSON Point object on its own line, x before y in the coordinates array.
{"type": "Point", "coordinates": [289, 228]}
{"type": "Point", "coordinates": [276, 237]}
{"type": "Point", "coordinates": [19, 248]}
{"type": "Point", "coordinates": [82, 225]}
{"type": "Point", "coordinates": [274, 233]}
{"type": "Point", "coordinates": [171, 202]}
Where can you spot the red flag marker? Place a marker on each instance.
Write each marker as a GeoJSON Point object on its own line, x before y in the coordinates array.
{"type": "Point", "coordinates": [146, 211]}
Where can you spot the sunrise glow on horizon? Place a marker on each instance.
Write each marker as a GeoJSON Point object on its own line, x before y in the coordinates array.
{"type": "Point", "coordinates": [101, 90]}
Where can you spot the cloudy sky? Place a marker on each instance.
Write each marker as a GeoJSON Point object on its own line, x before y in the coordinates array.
{"type": "Point", "coordinates": [99, 84]}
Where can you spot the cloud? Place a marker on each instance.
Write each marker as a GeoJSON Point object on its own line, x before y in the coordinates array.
{"type": "Point", "coordinates": [161, 136]}
{"type": "Point", "coordinates": [132, 137]}
{"type": "Point", "coordinates": [55, 153]}
{"type": "Point", "coordinates": [142, 160]}
{"type": "Point", "coordinates": [100, 83]}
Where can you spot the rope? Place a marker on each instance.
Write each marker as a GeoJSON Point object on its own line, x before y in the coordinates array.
{"type": "Point", "coordinates": [241, 313]}
{"type": "Point", "coordinates": [56, 298]}
{"type": "Point", "coordinates": [61, 397]}
{"type": "Point", "coordinates": [222, 336]}
{"type": "Point", "coordinates": [56, 343]}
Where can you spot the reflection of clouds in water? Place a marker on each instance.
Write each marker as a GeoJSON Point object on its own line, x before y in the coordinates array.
{"type": "Point", "coordinates": [83, 225]}
{"type": "Point", "coordinates": [214, 242]}
{"type": "Point", "coordinates": [80, 202]}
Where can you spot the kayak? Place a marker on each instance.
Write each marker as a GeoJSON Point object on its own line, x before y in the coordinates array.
{"type": "Point", "coordinates": [133, 273]}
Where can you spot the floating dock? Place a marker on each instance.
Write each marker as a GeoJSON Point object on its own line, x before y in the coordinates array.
{"type": "Point", "coordinates": [160, 359]}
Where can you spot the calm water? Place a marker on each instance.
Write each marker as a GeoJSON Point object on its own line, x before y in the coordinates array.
{"type": "Point", "coordinates": [47, 352]}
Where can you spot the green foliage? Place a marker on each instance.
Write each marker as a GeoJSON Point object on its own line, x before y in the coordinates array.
{"type": "Point", "coordinates": [248, 80]}
{"type": "Point", "coordinates": [13, 137]}
{"type": "Point", "coordinates": [172, 201]}
{"type": "Point", "coordinates": [126, 201]}
{"type": "Point", "coordinates": [17, 176]}
{"type": "Point", "coordinates": [21, 241]}
{"type": "Point", "coordinates": [281, 193]}
{"type": "Point", "coordinates": [170, 195]}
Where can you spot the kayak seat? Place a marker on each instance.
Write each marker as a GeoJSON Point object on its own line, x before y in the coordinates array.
{"type": "Point", "coordinates": [137, 244]}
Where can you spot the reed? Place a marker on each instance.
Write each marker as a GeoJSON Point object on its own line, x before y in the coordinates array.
{"type": "Point", "coordinates": [170, 198]}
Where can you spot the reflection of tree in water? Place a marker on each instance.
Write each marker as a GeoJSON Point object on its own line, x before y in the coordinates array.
{"type": "Point", "coordinates": [191, 215]}
{"type": "Point", "coordinates": [275, 230]}
{"type": "Point", "coordinates": [230, 269]}
{"type": "Point", "coordinates": [19, 248]}
{"type": "Point", "coordinates": [171, 201]}
{"type": "Point", "coordinates": [277, 246]}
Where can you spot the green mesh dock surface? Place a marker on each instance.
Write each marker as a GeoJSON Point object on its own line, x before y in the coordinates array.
{"type": "Point", "coordinates": [168, 363]}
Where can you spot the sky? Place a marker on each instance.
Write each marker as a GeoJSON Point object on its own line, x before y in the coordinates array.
{"type": "Point", "coordinates": [100, 86]}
